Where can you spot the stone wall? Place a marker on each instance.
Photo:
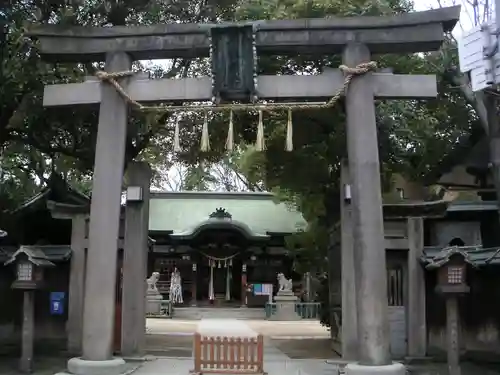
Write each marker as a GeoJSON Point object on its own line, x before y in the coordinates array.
{"type": "Point", "coordinates": [479, 314]}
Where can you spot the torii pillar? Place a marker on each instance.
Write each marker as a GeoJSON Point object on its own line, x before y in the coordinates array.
{"type": "Point", "coordinates": [368, 225]}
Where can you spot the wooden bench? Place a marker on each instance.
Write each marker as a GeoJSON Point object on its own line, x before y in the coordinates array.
{"type": "Point", "coordinates": [227, 347]}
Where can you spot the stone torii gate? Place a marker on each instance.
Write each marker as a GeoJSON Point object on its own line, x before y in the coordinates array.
{"type": "Point", "coordinates": [356, 38]}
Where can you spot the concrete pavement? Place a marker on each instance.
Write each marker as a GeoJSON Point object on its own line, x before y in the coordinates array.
{"type": "Point", "coordinates": [276, 330]}
{"type": "Point", "coordinates": [275, 361]}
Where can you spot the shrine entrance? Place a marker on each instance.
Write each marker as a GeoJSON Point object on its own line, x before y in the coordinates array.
{"type": "Point", "coordinates": [219, 254]}
{"type": "Point", "coordinates": [219, 277]}
{"type": "Point", "coordinates": [219, 250]}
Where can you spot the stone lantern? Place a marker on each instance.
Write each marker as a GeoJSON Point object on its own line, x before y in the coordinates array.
{"type": "Point", "coordinates": [451, 266]}
{"type": "Point", "coordinates": [30, 263]}
{"type": "Point", "coordinates": [452, 276]}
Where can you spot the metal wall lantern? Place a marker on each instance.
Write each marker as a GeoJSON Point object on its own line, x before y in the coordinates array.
{"type": "Point", "coordinates": [134, 194]}
{"type": "Point", "coordinates": [347, 193]}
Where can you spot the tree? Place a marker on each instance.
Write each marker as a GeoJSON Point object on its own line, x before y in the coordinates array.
{"type": "Point", "coordinates": [413, 135]}
{"type": "Point", "coordinates": [34, 140]}
{"type": "Point", "coordinates": [224, 175]}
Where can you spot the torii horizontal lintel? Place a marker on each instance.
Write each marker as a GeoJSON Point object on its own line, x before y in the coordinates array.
{"type": "Point", "coordinates": [319, 87]}
{"type": "Point", "coordinates": [447, 16]}
{"type": "Point", "coordinates": [405, 33]}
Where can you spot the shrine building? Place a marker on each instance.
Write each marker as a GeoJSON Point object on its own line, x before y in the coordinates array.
{"type": "Point", "coordinates": [219, 242]}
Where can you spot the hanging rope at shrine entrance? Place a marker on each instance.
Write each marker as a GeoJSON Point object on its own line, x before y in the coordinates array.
{"type": "Point", "coordinates": [214, 262]}
{"type": "Point", "coordinates": [349, 74]}
{"type": "Point", "coordinates": [220, 261]}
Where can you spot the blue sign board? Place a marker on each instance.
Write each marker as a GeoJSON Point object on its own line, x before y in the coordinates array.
{"type": "Point", "coordinates": [257, 289]}
{"type": "Point", "coordinates": [57, 303]}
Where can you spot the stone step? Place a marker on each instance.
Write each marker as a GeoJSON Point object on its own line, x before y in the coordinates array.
{"type": "Point", "coordinates": [196, 313]}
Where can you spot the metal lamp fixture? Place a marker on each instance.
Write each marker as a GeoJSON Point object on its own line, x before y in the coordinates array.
{"type": "Point", "coordinates": [134, 194]}
{"type": "Point", "coordinates": [347, 192]}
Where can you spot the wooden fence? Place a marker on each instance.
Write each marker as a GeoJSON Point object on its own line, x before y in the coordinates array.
{"type": "Point", "coordinates": [228, 355]}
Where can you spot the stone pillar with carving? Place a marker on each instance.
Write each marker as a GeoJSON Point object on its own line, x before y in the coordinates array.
{"type": "Point", "coordinates": [193, 285]}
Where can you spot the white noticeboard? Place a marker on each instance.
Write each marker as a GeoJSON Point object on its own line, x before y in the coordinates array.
{"type": "Point", "coordinates": [471, 53]}
{"type": "Point", "coordinates": [470, 50]}
{"type": "Point", "coordinates": [478, 77]}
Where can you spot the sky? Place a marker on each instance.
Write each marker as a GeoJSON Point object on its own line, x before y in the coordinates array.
{"type": "Point", "coordinates": [466, 16]}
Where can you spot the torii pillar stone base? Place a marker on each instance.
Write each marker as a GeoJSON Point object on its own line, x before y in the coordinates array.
{"type": "Point", "coordinates": [392, 369]}
{"type": "Point", "coordinates": [78, 366]}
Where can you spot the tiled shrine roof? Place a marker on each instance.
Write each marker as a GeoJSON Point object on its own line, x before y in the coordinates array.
{"type": "Point", "coordinates": [52, 253]}
{"type": "Point", "coordinates": [35, 255]}
{"type": "Point", "coordinates": [260, 213]}
{"type": "Point", "coordinates": [477, 256]}
{"type": "Point", "coordinates": [404, 209]}
{"type": "Point", "coordinates": [57, 189]}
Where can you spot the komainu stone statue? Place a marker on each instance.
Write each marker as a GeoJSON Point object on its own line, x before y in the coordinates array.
{"type": "Point", "coordinates": [285, 285]}
{"type": "Point", "coordinates": [155, 276]}
{"type": "Point", "coordinates": [153, 296]}
{"type": "Point", "coordinates": [285, 300]}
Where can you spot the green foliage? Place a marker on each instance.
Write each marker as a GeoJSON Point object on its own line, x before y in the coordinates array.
{"type": "Point", "coordinates": [413, 135]}
{"type": "Point", "coordinates": [34, 140]}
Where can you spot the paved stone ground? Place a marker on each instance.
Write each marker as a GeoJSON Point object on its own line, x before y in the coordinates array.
{"type": "Point", "coordinates": [42, 366]}
{"type": "Point", "coordinates": [282, 341]}
{"type": "Point", "coordinates": [298, 348]}
{"type": "Point", "coordinates": [281, 330]}
{"type": "Point", "coordinates": [441, 369]}
{"type": "Point", "coordinates": [298, 340]}
{"type": "Point", "coordinates": [275, 363]}
{"type": "Point", "coordinates": [169, 345]}
{"type": "Point", "coordinates": [306, 348]}
{"type": "Point", "coordinates": [291, 348]}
